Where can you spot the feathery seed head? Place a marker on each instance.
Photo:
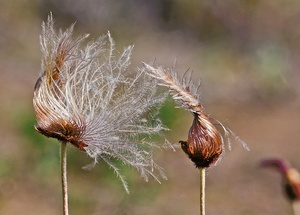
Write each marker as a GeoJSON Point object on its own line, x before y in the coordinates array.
{"type": "Point", "coordinates": [89, 98]}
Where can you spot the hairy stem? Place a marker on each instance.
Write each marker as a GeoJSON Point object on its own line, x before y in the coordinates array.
{"type": "Point", "coordinates": [63, 164]}
{"type": "Point", "coordinates": [202, 191]}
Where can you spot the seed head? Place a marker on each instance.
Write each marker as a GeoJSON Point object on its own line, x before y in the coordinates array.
{"type": "Point", "coordinates": [205, 143]}
{"type": "Point", "coordinates": [90, 98]}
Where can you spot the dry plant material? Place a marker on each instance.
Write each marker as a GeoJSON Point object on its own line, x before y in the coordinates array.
{"type": "Point", "coordinates": [205, 144]}
{"type": "Point", "coordinates": [88, 96]}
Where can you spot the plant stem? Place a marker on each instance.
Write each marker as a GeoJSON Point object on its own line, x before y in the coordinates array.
{"type": "Point", "coordinates": [296, 207]}
{"type": "Point", "coordinates": [202, 191]}
{"type": "Point", "coordinates": [63, 164]}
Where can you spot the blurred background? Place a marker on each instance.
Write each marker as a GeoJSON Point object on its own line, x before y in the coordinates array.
{"type": "Point", "coordinates": [246, 54]}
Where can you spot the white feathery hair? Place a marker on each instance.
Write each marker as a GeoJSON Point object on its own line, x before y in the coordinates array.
{"type": "Point", "coordinates": [90, 98]}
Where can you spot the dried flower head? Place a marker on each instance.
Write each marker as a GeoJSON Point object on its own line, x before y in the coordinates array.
{"type": "Point", "coordinates": [89, 98]}
{"type": "Point", "coordinates": [205, 143]}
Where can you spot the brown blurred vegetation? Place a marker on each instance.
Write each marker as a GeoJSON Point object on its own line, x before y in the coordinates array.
{"type": "Point", "coordinates": [246, 54]}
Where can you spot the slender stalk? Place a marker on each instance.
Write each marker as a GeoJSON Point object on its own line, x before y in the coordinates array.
{"type": "Point", "coordinates": [296, 207]}
{"type": "Point", "coordinates": [63, 164]}
{"type": "Point", "coordinates": [202, 191]}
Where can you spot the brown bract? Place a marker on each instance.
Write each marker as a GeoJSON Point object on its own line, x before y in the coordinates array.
{"type": "Point", "coordinates": [204, 145]}
{"type": "Point", "coordinates": [64, 131]}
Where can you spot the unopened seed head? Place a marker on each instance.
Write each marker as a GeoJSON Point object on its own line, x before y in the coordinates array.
{"type": "Point", "coordinates": [204, 145]}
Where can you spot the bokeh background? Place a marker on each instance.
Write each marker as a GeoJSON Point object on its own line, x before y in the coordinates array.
{"type": "Point", "coordinates": [246, 54]}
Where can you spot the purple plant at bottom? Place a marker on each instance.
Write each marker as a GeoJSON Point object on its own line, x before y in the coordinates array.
{"type": "Point", "coordinates": [290, 176]}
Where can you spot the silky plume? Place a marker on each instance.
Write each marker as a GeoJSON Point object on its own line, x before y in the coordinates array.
{"type": "Point", "coordinates": [87, 95]}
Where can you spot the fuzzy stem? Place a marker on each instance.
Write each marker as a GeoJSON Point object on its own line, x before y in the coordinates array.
{"type": "Point", "coordinates": [63, 163]}
{"type": "Point", "coordinates": [202, 191]}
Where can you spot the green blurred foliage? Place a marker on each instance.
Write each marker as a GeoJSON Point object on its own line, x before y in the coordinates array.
{"type": "Point", "coordinates": [169, 114]}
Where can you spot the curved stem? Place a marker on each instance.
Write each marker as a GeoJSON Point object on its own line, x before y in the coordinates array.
{"type": "Point", "coordinates": [63, 165]}
{"type": "Point", "coordinates": [202, 191]}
